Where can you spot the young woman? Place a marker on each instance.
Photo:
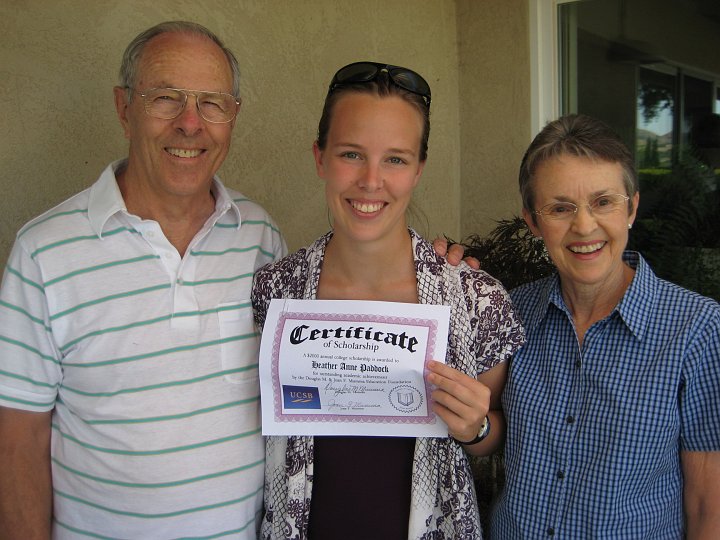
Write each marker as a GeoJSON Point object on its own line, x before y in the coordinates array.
{"type": "Point", "coordinates": [370, 152]}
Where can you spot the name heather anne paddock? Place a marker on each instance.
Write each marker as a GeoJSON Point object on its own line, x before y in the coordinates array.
{"type": "Point", "coordinates": [303, 333]}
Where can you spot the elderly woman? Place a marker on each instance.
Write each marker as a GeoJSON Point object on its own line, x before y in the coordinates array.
{"type": "Point", "coordinates": [613, 403]}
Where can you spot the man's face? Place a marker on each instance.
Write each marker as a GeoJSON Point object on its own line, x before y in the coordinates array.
{"type": "Point", "coordinates": [178, 157]}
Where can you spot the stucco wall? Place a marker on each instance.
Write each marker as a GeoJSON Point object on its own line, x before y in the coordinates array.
{"type": "Point", "coordinates": [59, 61]}
{"type": "Point", "coordinates": [494, 76]}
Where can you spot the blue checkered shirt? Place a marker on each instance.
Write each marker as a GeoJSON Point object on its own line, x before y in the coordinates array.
{"type": "Point", "coordinates": [595, 432]}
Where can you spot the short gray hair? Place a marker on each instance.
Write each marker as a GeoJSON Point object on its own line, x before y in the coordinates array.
{"type": "Point", "coordinates": [131, 57]}
{"type": "Point", "coordinates": [581, 136]}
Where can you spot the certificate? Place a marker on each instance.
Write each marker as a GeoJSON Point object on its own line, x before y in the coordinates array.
{"type": "Point", "coordinates": [348, 367]}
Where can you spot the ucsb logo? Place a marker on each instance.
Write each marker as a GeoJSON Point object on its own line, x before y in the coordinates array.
{"type": "Point", "coordinates": [301, 397]}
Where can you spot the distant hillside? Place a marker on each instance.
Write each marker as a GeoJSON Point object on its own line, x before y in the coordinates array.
{"type": "Point", "coordinates": [643, 135]}
{"type": "Point", "coordinates": [659, 151]}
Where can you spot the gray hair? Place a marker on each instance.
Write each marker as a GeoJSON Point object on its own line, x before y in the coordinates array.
{"type": "Point", "coordinates": [131, 57]}
{"type": "Point", "coordinates": [581, 136]}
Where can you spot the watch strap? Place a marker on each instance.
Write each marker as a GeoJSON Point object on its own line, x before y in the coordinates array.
{"type": "Point", "coordinates": [482, 433]}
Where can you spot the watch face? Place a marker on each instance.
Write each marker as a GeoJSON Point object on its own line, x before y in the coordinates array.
{"type": "Point", "coordinates": [484, 428]}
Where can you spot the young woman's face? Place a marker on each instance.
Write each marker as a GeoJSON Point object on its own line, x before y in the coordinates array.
{"type": "Point", "coordinates": [370, 165]}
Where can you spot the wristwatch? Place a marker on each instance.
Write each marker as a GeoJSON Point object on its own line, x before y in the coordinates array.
{"type": "Point", "coordinates": [484, 432]}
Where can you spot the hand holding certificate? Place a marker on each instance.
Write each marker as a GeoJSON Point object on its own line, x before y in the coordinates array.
{"type": "Point", "coordinates": [332, 367]}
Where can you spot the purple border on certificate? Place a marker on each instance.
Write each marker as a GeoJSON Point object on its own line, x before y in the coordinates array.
{"type": "Point", "coordinates": [285, 316]}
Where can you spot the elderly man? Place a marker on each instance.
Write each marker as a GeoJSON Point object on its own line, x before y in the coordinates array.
{"type": "Point", "coordinates": [129, 399]}
{"type": "Point", "coordinates": [128, 356]}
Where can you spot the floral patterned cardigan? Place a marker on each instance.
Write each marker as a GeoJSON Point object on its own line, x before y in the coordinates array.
{"type": "Point", "coordinates": [483, 332]}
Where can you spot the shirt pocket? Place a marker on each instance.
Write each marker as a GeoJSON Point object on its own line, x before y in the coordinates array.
{"type": "Point", "coordinates": [240, 344]}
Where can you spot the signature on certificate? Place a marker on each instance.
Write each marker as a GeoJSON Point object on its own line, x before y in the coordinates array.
{"type": "Point", "coordinates": [338, 405]}
{"type": "Point", "coordinates": [342, 406]}
{"type": "Point", "coordinates": [339, 389]}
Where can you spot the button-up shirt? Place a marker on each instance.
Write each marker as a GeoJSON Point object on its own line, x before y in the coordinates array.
{"type": "Point", "coordinates": [595, 432]}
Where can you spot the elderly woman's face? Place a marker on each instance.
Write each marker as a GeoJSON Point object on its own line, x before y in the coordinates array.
{"type": "Point", "coordinates": [586, 247]}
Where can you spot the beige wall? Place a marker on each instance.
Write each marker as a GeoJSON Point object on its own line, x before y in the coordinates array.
{"type": "Point", "coordinates": [494, 108]}
{"type": "Point", "coordinates": [59, 61]}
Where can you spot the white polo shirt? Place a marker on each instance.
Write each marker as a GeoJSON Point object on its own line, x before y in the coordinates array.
{"type": "Point", "coordinates": [149, 361]}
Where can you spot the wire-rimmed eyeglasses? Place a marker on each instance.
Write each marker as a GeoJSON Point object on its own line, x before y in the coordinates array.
{"type": "Point", "coordinates": [169, 103]}
{"type": "Point", "coordinates": [599, 206]}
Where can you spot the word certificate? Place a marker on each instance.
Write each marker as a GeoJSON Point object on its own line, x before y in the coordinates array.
{"type": "Point", "coordinates": [349, 367]}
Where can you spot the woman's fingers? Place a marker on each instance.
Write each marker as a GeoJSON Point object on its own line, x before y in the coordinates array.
{"type": "Point", "coordinates": [460, 400]}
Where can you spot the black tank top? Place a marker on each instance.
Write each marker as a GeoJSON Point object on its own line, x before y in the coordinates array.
{"type": "Point", "coordinates": [361, 488]}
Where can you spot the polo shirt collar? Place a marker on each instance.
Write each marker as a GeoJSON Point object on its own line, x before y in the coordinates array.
{"type": "Point", "coordinates": [224, 202]}
{"type": "Point", "coordinates": [633, 308]}
{"type": "Point", "coordinates": [106, 200]}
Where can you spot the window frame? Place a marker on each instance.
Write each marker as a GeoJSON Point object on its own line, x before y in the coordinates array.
{"type": "Point", "coordinates": [544, 62]}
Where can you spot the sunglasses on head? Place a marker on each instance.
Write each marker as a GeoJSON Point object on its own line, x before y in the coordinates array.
{"type": "Point", "coordinates": [365, 72]}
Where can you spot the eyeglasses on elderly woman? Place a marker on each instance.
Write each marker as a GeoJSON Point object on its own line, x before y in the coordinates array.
{"type": "Point", "coordinates": [603, 205]}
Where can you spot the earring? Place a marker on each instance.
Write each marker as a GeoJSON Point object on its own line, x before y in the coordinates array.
{"type": "Point", "coordinates": [629, 225]}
